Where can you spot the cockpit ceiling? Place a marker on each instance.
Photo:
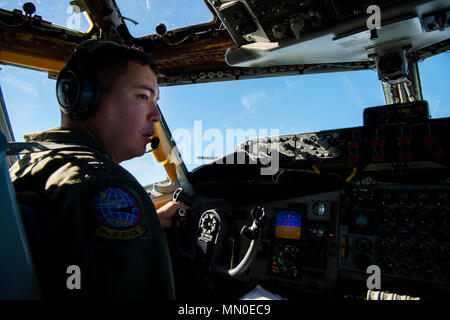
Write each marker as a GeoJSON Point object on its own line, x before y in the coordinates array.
{"type": "Point", "coordinates": [265, 39]}
{"type": "Point", "coordinates": [357, 47]}
{"type": "Point", "coordinates": [405, 25]}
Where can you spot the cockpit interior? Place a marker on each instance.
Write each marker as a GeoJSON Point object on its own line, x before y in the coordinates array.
{"type": "Point", "coordinates": [352, 213]}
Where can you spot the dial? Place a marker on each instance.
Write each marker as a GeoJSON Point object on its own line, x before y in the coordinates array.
{"type": "Point", "coordinates": [441, 198]}
{"type": "Point", "coordinates": [316, 231]}
{"type": "Point", "coordinates": [422, 197]}
{"type": "Point", "coordinates": [384, 247]}
{"type": "Point", "coordinates": [385, 230]}
{"type": "Point", "coordinates": [386, 264]}
{"type": "Point", "coordinates": [319, 208]}
{"type": "Point", "coordinates": [364, 245]}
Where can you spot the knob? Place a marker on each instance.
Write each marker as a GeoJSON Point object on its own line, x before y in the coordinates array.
{"type": "Point", "coordinates": [403, 215]}
{"type": "Point", "coordinates": [422, 232]}
{"type": "Point", "coordinates": [385, 197]}
{"type": "Point", "coordinates": [403, 231]}
{"type": "Point", "coordinates": [384, 247]}
{"type": "Point", "coordinates": [388, 215]}
{"type": "Point", "coordinates": [424, 269]}
{"type": "Point", "coordinates": [404, 268]}
{"type": "Point", "coordinates": [161, 29]}
{"type": "Point", "coordinates": [323, 143]}
{"type": "Point", "coordinates": [304, 154]}
{"type": "Point", "coordinates": [29, 8]}
{"type": "Point", "coordinates": [405, 246]}
{"type": "Point", "coordinates": [441, 198]}
{"type": "Point", "coordinates": [334, 152]}
{"type": "Point", "coordinates": [385, 230]}
{"type": "Point", "coordinates": [386, 264]}
{"type": "Point", "coordinates": [364, 245]}
{"type": "Point", "coordinates": [422, 197]}
{"type": "Point", "coordinates": [288, 147]}
{"type": "Point", "coordinates": [403, 197]}
{"type": "Point", "coordinates": [422, 215]}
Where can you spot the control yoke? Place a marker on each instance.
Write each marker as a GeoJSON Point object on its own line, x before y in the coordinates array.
{"type": "Point", "coordinates": [211, 233]}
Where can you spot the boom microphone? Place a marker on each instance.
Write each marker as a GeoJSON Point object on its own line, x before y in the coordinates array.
{"type": "Point", "coordinates": [154, 143]}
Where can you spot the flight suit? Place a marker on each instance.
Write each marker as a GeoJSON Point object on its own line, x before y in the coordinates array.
{"type": "Point", "coordinates": [96, 217]}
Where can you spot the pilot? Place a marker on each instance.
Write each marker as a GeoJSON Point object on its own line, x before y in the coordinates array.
{"type": "Point", "coordinates": [94, 231]}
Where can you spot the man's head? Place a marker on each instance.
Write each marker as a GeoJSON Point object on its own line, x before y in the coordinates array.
{"type": "Point", "coordinates": [124, 96]}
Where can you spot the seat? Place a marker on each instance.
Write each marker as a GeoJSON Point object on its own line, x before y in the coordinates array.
{"type": "Point", "coordinates": [18, 279]}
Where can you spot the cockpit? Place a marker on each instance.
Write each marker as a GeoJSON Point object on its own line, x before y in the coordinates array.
{"type": "Point", "coordinates": [309, 138]}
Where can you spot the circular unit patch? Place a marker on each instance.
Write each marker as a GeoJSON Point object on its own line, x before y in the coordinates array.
{"type": "Point", "coordinates": [116, 208]}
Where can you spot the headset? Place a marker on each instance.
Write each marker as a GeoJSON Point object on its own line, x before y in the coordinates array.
{"type": "Point", "coordinates": [77, 86]}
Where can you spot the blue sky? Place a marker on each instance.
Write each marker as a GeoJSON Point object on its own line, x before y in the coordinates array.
{"type": "Point", "coordinates": [291, 104]}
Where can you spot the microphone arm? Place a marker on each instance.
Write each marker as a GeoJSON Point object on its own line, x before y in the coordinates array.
{"type": "Point", "coordinates": [154, 143]}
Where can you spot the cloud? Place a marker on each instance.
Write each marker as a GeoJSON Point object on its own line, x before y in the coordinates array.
{"type": "Point", "coordinates": [436, 106]}
{"type": "Point", "coordinates": [251, 102]}
{"type": "Point", "coordinates": [353, 93]}
{"type": "Point", "coordinates": [21, 85]}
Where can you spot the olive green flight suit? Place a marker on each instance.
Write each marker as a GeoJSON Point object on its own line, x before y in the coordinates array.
{"type": "Point", "coordinates": [103, 221]}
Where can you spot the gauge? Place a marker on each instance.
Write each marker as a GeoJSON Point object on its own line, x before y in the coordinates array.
{"type": "Point", "coordinates": [316, 231]}
{"type": "Point", "coordinates": [319, 208]}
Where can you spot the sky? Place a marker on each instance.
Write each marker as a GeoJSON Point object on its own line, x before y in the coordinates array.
{"type": "Point", "coordinates": [201, 114]}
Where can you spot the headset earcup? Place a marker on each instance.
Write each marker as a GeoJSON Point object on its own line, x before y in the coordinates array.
{"type": "Point", "coordinates": [67, 91]}
{"type": "Point", "coordinates": [89, 96]}
{"type": "Point", "coordinates": [77, 86]}
{"type": "Point", "coordinates": [77, 91]}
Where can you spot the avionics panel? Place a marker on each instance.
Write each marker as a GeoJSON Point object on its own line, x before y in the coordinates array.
{"type": "Point", "coordinates": [403, 229]}
{"type": "Point", "coordinates": [285, 261]}
{"type": "Point", "coordinates": [299, 239]}
{"type": "Point", "coordinates": [285, 250]}
{"type": "Point", "coordinates": [298, 251]}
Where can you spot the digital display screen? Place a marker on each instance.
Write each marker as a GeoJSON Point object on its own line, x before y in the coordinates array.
{"type": "Point", "coordinates": [288, 225]}
{"type": "Point", "coordinates": [285, 261]}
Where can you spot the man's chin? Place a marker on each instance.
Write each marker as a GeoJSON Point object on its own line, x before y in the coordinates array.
{"type": "Point", "coordinates": [134, 154]}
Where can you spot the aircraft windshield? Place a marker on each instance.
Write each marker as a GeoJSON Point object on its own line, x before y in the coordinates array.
{"type": "Point", "coordinates": [210, 119]}
{"type": "Point", "coordinates": [174, 14]}
{"type": "Point", "coordinates": [218, 116]}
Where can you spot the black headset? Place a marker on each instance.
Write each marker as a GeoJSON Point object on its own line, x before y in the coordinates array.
{"type": "Point", "coordinates": [77, 86]}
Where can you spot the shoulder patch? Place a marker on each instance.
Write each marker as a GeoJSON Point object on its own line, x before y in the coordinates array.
{"type": "Point", "coordinates": [118, 212]}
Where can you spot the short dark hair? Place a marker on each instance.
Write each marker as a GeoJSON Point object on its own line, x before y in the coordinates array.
{"type": "Point", "coordinates": [110, 60]}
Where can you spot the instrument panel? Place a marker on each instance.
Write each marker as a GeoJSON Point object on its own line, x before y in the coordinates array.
{"type": "Point", "coordinates": [311, 244]}
{"type": "Point", "coordinates": [391, 134]}
{"type": "Point", "coordinates": [395, 215]}
{"type": "Point", "coordinates": [403, 229]}
{"type": "Point", "coordinates": [299, 248]}
{"type": "Point", "coordinates": [346, 200]}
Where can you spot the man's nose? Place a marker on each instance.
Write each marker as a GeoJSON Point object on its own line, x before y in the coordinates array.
{"type": "Point", "coordinates": [155, 114]}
